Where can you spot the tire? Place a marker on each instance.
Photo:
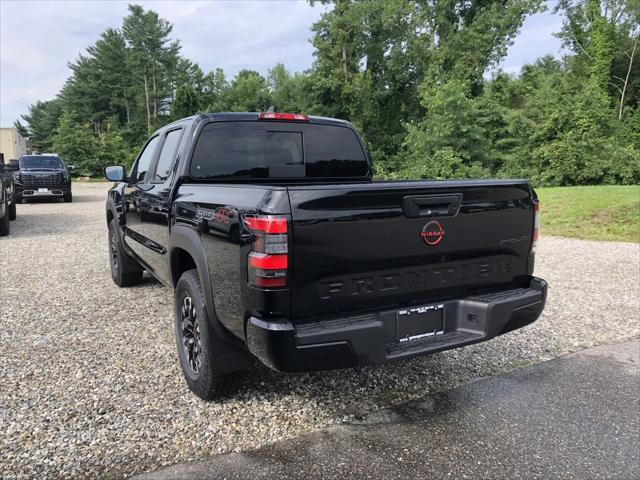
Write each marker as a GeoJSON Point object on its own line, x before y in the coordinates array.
{"type": "Point", "coordinates": [125, 271]}
{"type": "Point", "coordinates": [68, 197]}
{"type": "Point", "coordinates": [4, 225]}
{"type": "Point", "coordinates": [193, 333]}
{"type": "Point", "coordinates": [12, 211]}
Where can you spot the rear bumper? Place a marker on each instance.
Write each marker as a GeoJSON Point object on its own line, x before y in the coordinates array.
{"type": "Point", "coordinates": [373, 339]}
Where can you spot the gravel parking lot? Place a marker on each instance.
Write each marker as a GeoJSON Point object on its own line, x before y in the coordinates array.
{"type": "Point", "coordinates": [90, 379]}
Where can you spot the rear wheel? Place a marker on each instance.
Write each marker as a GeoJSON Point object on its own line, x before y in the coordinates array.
{"type": "Point", "coordinates": [125, 271]}
{"type": "Point", "coordinates": [12, 211]}
{"type": "Point", "coordinates": [196, 341]}
{"type": "Point", "coordinates": [4, 225]}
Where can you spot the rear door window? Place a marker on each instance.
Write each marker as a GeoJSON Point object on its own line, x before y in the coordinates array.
{"type": "Point", "coordinates": [167, 156]}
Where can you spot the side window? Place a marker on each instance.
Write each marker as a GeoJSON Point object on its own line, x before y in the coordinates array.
{"type": "Point", "coordinates": [167, 156]}
{"type": "Point", "coordinates": [144, 160]}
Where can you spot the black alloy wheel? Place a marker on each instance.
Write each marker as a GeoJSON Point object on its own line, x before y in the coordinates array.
{"type": "Point", "coordinates": [191, 339]}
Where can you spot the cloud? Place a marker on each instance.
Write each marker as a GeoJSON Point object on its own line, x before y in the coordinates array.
{"type": "Point", "coordinates": [535, 40]}
{"type": "Point", "coordinates": [39, 38]}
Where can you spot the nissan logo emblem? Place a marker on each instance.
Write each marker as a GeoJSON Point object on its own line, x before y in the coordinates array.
{"type": "Point", "coordinates": [432, 233]}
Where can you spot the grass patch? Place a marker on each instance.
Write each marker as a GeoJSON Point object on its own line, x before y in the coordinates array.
{"type": "Point", "coordinates": [607, 212]}
{"type": "Point", "coordinates": [91, 180]}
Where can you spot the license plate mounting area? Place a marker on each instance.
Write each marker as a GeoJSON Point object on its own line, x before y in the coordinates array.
{"type": "Point", "coordinates": [420, 322]}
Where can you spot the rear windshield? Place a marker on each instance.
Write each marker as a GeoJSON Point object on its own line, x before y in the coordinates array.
{"type": "Point", "coordinates": [277, 150]}
{"type": "Point", "coordinates": [40, 161]}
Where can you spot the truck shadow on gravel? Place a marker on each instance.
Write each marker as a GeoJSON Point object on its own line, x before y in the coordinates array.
{"type": "Point", "coordinates": [379, 385]}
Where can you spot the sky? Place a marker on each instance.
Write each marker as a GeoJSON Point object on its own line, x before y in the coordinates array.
{"type": "Point", "coordinates": [39, 38]}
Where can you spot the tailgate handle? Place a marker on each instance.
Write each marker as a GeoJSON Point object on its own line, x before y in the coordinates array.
{"type": "Point", "coordinates": [432, 205]}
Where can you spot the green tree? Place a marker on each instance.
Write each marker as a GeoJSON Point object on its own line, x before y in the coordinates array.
{"type": "Point", "coordinates": [215, 87]}
{"type": "Point", "coordinates": [75, 143]}
{"type": "Point", "coordinates": [112, 149]}
{"type": "Point", "coordinates": [22, 130]}
{"type": "Point", "coordinates": [289, 93]}
{"type": "Point", "coordinates": [374, 58]}
{"type": "Point", "coordinates": [603, 36]}
{"type": "Point", "coordinates": [369, 62]}
{"type": "Point", "coordinates": [450, 141]}
{"type": "Point", "coordinates": [152, 60]}
{"type": "Point", "coordinates": [111, 54]}
{"type": "Point", "coordinates": [248, 92]}
{"type": "Point", "coordinates": [186, 102]}
{"type": "Point", "coordinates": [42, 120]}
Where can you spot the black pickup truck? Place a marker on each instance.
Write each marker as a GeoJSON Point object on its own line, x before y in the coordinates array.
{"type": "Point", "coordinates": [278, 245]}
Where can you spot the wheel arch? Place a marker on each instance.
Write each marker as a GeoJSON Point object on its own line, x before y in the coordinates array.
{"type": "Point", "coordinates": [186, 251]}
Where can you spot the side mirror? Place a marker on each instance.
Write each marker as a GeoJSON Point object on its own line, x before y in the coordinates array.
{"type": "Point", "coordinates": [71, 167]}
{"type": "Point", "coordinates": [115, 173]}
{"type": "Point", "coordinates": [13, 166]}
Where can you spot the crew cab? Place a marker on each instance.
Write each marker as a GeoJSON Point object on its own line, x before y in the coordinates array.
{"type": "Point", "coordinates": [7, 197]}
{"type": "Point", "coordinates": [279, 246]}
{"type": "Point", "coordinates": [42, 176]}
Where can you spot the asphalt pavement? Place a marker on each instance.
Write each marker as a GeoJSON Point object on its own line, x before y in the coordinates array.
{"type": "Point", "coordinates": [574, 417]}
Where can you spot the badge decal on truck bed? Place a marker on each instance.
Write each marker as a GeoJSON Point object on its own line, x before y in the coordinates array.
{"type": "Point", "coordinates": [432, 233]}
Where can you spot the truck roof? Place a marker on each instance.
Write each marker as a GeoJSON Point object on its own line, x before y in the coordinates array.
{"type": "Point", "coordinates": [248, 116]}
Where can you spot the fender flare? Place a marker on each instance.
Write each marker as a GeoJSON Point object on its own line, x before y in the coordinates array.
{"type": "Point", "coordinates": [229, 353]}
{"type": "Point", "coordinates": [111, 207]}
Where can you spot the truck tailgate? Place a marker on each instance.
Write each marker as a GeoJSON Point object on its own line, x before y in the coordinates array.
{"type": "Point", "coordinates": [360, 247]}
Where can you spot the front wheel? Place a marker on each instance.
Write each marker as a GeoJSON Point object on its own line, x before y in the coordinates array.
{"type": "Point", "coordinates": [125, 271]}
{"type": "Point", "coordinates": [196, 341]}
{"type": "Point", "coordinates": [68, 197]}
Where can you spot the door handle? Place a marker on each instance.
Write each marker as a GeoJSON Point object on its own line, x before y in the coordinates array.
{"type": "Point", "coordinates": [416, 206]}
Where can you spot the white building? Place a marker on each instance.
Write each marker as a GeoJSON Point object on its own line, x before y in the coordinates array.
{"type": "Point", "coordinates": [12, 144]}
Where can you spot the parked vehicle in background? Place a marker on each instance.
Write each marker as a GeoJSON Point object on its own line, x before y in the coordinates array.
{"type": "Point", "coordinates": [278, 245]}
{"type": "Point", "coordinates": [7, 197]}
{"type": "Point", "coordinates": [42, 176]}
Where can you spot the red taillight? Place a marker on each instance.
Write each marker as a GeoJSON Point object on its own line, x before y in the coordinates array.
{"type": "Point", "coordinates": [284, 116]}
{"type": "Point", "coordinates": [536, 226]}
{"type": "Point", "coordinates": [268, 261]}
{"type": "Point", "coordinates": [267, 224]}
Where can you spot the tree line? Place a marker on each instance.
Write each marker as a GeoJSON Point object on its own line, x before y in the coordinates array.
{"type": "Point", "coordinates": [414, 76]}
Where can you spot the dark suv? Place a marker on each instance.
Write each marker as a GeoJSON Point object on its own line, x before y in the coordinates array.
{"type": "Point", "coordinates": [42, 176]}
